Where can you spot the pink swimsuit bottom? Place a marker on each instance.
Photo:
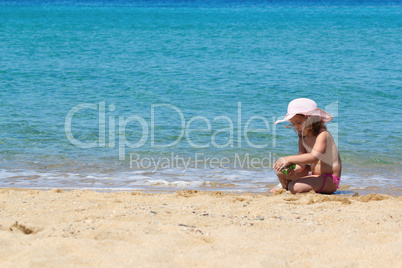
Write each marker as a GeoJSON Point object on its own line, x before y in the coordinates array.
{"type": "Point", "coordinates": [335, 179]}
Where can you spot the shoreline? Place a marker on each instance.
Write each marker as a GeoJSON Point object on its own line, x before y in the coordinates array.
{"type": "Point", "coordinates": [243, 181]}
{"type": "Point", "coordinates": [197, 228]}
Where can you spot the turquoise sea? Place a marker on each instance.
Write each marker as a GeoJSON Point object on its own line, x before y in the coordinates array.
{"type": "Point", "coordinates": [165, 95]}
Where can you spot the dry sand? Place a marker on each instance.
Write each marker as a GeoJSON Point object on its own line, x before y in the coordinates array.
{"type": "Point", "coordinates": [197, 229]}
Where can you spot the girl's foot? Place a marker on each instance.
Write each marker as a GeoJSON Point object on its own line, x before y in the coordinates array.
{"type": "Point", "coordinates": [276, 188]}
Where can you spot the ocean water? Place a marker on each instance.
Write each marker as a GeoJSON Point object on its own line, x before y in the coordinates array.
{"type": "Point", "coordinates": [166, 95]}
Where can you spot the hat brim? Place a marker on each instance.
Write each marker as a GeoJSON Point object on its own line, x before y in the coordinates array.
{"type": "Point", "coordinates": [326, 117]}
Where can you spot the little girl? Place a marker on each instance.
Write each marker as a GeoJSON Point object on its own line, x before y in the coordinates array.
{"type": "Point", "coordinates": [318, 164]}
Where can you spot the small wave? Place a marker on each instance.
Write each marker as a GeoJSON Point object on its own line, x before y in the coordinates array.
{"type": "Point", "coordinates": [162, 182]}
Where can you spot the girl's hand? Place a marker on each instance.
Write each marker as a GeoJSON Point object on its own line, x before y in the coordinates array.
{"type": "Point", "coordinates": [280, 164]}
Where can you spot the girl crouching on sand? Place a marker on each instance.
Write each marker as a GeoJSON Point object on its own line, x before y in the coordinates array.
{"type": "Point", "coordinates": [318, 165]}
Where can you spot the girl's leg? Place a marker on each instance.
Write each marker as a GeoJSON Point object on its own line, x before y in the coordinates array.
{"type": "Point", "coordinates": [313, 182]}
{"type": "Point", "coordinates": [282, 179]}
{"type": "Point", "coordinates": [283, 182]}
{"type": "Point", "coordinates": [286, 179]}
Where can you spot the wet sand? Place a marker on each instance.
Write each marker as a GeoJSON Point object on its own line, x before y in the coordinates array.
{"type": "Point", "coordinates": [198, 229]}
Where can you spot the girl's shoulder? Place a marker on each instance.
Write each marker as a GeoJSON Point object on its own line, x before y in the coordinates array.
{"type": "Point", "coordinates": [324, 134]}
{"type": "Point", "coordinates": [324, 131]}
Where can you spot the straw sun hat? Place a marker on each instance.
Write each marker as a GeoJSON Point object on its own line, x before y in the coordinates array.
{"type": "Point", "coordinates": [307, 107]}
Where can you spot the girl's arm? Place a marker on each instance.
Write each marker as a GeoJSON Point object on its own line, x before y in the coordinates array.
{"type": "Point", "coordinates": [305, 158]}
{"type": "Point", "coordinates": [302, 150]}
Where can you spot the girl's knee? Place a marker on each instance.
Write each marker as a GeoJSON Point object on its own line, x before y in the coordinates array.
{"type": "Point", "coordinates": [279, 173]}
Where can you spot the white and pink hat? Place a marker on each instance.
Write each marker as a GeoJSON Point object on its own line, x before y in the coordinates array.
{"type": "Point", "coordinates": [306, 107]}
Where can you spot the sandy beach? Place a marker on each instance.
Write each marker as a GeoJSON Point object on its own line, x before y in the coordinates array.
{"type": "Point", "coordinates": [80, 228]}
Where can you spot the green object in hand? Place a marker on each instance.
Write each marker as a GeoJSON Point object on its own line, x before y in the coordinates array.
{"type": "Point", "coordinates": [286, 170]}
